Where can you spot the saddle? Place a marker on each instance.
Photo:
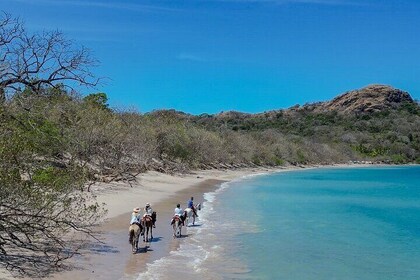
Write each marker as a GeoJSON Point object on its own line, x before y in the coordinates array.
{"type": "Point", "coordinates": [177, 218]}
{"type": "Point", "coordinates": [147, 219]}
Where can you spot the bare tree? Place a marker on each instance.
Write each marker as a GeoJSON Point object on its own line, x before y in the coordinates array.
{"type": "Point", "coordinates": [38, 60]}
{"type": "Point", "coordinates": [44, 215]}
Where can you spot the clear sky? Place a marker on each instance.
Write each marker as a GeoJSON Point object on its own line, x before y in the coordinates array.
{"type": "Point", "coordinates": [246, 55]}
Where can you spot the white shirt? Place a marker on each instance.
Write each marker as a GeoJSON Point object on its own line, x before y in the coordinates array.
{"type": "Point", "coordinates": [135, 218]}
{"type": "Point", "coordinates": [178, 211]}
{"type": "Point", "coordinates": [148, 211]}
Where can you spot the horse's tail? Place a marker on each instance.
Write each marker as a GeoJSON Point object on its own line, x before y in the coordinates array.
{"type": "Point", "coordinates": [131, 236]}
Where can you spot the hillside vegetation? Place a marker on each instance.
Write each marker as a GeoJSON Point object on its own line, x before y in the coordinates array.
{"type": "Point", "coordinates": [376, 123]}
{"type": "Point", "coordinates": [85, 132]}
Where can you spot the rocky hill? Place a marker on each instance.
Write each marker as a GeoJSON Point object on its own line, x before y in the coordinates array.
{"type": "Point", "coordinates": [369, 99]}
{"type": "Point", "coordinates": [372, 98]}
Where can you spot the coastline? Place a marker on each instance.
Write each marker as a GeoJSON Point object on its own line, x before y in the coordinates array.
{"type": "Point", "coordinates": [113, 259]}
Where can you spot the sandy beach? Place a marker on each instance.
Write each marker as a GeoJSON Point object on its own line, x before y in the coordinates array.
{"type": "Point", "coordinates": [112, 259]}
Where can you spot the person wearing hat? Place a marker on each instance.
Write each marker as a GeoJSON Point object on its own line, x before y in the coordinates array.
{"type": "Point", "coordinates": [135, 216]}
{"type": "Point", "coordinates": [149, 212]}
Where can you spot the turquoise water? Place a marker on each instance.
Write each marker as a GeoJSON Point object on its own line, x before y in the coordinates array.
{"type": "Point", "coordinates": [357, 223]}
{"type": "Point", "coordinates": [336, 223]}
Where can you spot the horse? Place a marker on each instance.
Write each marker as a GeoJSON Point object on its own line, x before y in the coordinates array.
{"type": "Point", "coordinates": [190, 213]}
{"type": "Point", "coordinates": [177, 225]}
{"type": "Point", "coordinates": [147, 223]}
{"type": "Point", "coordinates": [134, 233]}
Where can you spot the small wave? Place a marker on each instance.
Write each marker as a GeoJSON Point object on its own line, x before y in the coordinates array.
{"type": "Point", "coordinates": [191, 256]}
{"type": "Point", "coordinates": [206, 242]}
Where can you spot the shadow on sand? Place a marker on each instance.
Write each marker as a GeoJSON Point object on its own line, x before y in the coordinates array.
{"type": "Point", "coordinates": [182, 236]}
{"type": "Point", "coordinates": [195, 225]}
{"type": "Point", "coordinates": [155, 239]}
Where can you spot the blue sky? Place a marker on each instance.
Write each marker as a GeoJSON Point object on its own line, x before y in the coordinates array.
{"type": "Point", "coordinates": [246, 55]}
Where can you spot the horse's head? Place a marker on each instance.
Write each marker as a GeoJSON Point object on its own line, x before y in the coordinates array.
{"type": "Point", "coordinates": [198, 206]}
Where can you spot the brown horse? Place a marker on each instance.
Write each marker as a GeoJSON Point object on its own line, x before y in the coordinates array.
{"type": "Point", "coordinates": [177, 226]}
{"type": "Point", "coordinates": [134, 233]}
{"type": "Point", "coordinates": [147, 223]}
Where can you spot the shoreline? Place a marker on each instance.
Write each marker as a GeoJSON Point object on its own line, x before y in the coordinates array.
{"type": "Point", "coordinates": [113, 258]}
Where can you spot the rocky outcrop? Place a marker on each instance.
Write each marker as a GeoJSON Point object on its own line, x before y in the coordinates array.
{"type": "Point", "coordinates": [373, 98]}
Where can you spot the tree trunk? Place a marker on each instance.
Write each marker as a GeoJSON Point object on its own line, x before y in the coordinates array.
{"type": "Point", "coordinates": [2, 95]}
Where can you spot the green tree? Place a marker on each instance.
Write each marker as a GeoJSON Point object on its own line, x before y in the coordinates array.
{"type": "Point", "coordinates": [98, 100]}
{"type": "Point", "coordinates": [44, 215]}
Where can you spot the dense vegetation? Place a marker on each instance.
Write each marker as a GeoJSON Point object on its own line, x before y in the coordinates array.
{"type": "Point", "coordinates": [54, 143]}
{"type": "Point", "coordinates": [109, 144]}
{"type": "Point", "coordinates": [304, 135]}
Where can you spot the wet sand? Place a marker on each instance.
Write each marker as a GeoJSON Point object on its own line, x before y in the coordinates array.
{"type": "Point", "coordinates": [113, 258]}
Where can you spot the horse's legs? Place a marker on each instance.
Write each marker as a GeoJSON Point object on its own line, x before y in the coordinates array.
{"type": "Point", "coordinates": [146, 235]}
{"type": "Point", "coordinates": [151, 233]}
{"type": "Point", "coordinates": [177, 228]}
{"type": "Point", "coordinates": [133, 245]}
{"type": "Point", "coordinates": [137, 243]}
{"type": "Point", "coordinates": [130, 236]}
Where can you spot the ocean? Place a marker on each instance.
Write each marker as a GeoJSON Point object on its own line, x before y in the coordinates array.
{"type": "Point", "coordinates": [325, 223]}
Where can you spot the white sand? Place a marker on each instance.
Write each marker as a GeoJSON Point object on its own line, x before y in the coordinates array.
{"type": "Point", "coordinates": [153, 187]}
{"type": "Point", "coordinates": [121, 197]}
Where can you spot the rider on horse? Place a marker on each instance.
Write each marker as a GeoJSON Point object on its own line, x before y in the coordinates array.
{"type": "Point", "coordinates": [191, 205]}
{"type": "Point", "coordinates": [135, 216]}
{"type": "Point", "coordinates": [149, 213]}
{"type": "Point", "coordinates": [179, 213]}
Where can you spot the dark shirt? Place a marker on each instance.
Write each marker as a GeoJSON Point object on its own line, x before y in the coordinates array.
{"type": "Point", "coordinates": [190, 204]}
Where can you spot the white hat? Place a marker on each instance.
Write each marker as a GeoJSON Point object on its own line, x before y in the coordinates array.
{"type": "Point", "coordinates": [137, 209]}
{"type": "Point", "coordinates": [147, 204]}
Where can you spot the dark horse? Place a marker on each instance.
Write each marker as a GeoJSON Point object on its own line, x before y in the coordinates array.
{"type": "Point", "coordinates": [147, 223]}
